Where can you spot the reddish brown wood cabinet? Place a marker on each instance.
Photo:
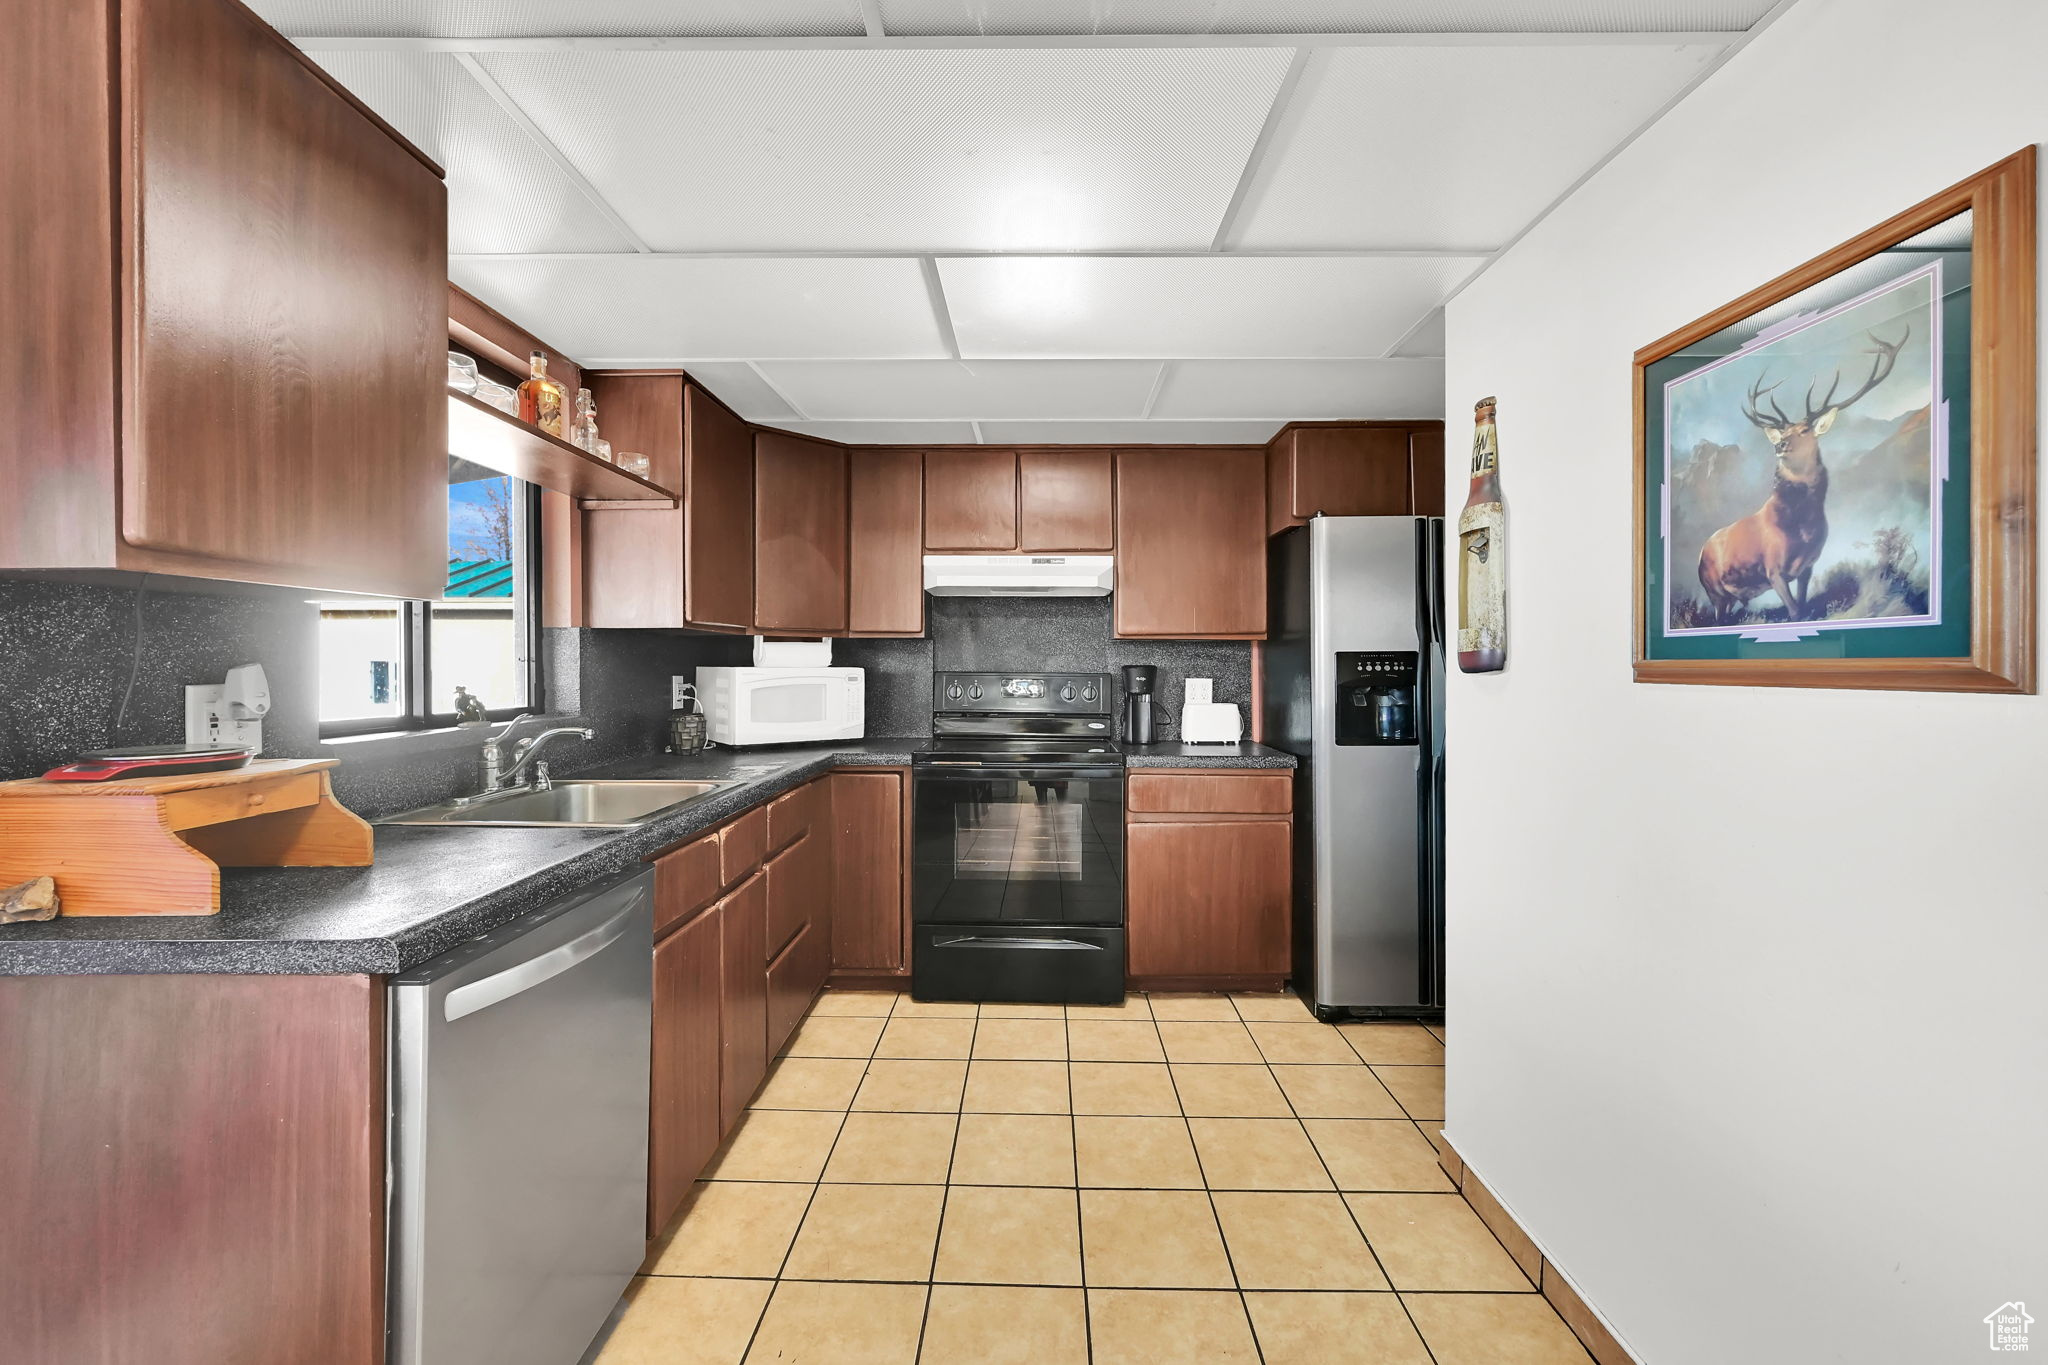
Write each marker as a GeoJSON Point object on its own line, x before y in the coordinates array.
{"type": "Point", "coordinates": [799, 535]}
{"type": "Point", "coordinates": [223, 296]}
{"type": "Point", "coordinates": [1426, 470]}
{"type": "Point", "coordinates": [1063, 501]}
{"type": "Point", "coordinates": [1191, 542]}
{"type": "Point", "coordinates": [970, 500]}
{"type": "Point", "coordinates": [1209, 877]}
{"type": "Point", "coordinates": [1353, 469]}
{"type": "Point", "coordinates": [885, 548]}
{"type": "Point", "coordinates": [870, 888]}
{"type": "Point", "coordinates": [743, 996]}
{"type": "Point", "coordinates": [685, 1116]}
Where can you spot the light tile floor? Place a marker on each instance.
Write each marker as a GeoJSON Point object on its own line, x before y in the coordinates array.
{"type": "Point", "coordinates": [1182, 1179]}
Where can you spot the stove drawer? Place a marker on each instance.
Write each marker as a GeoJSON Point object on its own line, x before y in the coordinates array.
{"type": "Point", "coordinates": [1019, 965]}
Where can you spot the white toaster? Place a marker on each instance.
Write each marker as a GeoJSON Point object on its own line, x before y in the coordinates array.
{"type": "Point", "coordinates": [1210, 722]}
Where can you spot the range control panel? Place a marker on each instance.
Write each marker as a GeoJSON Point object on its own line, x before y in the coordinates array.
{"type": "Point", "coordinates": [1043, 693]}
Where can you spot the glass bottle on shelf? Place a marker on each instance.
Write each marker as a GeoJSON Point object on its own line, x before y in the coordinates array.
{"type": "Point", "coordinates": [541, 400]}
{"type": "Point", "coordinates": [583, 431]}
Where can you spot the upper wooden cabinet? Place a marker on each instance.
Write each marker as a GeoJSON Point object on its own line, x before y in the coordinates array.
{"type": "Point", "coordinates": [1063, 501]}
{"type": "Point", "coordinates": [1426, 470]}
{"type": "Point", "coordinates": [970, 500]}
{"type": "Point", "coordinates": [885, 548]}
{"type": "Point", "coordinates": [1190, 542]}
{"type": "Point", "coordinates": [224, 299]}
{"type": "Point", "coordinates": [799, 535]}
{"type": "Point", "coordinates": [1363, 469]}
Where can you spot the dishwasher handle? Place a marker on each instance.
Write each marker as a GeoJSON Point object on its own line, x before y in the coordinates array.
{"type": "Point", "coordinates": [524, 976]}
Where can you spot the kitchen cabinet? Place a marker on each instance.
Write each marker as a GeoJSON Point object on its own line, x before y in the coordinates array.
{"type": "Point", "coordinates": [869, 886]}
{"type": "Point", "coordinates": [885, 546]}
{"type": "Point", "coordinates": [1190, 543]}
{"type": "Point", "coordinates": [224, 301]}
{"type": "Point", "coordinates": [794, 978]}
{"type": "Point", "coordinates": [800, 535]}
{"type": "Point", "coordinates": [742, 996]}
{"type": "Point", "coordinates": [1208, 877]}
{"type": "Point", "coordinates": [1426, 470]}
{"type": "Point", "coordinates": [1353, 469]}
{"type": "Point", "coordinates": [1063, 501]}
{"type": "Point", "coordinates": [686, 1120]}
{"type": "Point", "coordinates": [970, 500]}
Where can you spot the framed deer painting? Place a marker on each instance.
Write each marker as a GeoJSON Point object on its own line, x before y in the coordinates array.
{"type": "Point", "coordinates": [1835, 472]}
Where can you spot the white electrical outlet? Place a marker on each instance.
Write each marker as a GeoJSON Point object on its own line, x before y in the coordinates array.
{"type": "Point", "coordinates": [1200, 691]}
{"type": "Point", "coordinates": [676, 683]}
{"type": "Point", "coordinates": [208, 719]}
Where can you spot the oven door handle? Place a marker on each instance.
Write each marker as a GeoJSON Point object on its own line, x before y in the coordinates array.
{"type": "Point", "coordinates": [960, 770]}
{"type": "Point", "coordinates": [1062, 945]}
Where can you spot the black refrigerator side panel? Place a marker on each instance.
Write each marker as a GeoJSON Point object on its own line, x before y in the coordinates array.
{"type": "Point", "coordinates": [1288, 717]}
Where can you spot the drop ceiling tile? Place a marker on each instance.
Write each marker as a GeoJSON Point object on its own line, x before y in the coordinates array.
{"type": "Point", "coordinates": [887, 433]}
{"type": "Point", "coordinates": [740, 387]}
{"type": "Point", "coordinates": [550, 18]}
{"type": "Point", "coordinates": [893, 150]}
{"type": "Point", "coordinates": [504, 193]}
{"type": "Point", "coordinates": [1131, 433]}
{"type": "Point", "coordinates": [640, 310]}
{"type": "Point", "coordinates": [1407, 147]}
{"type": "Point", "coordinates": [1193, 306]}
{"type": "Point", "coordinates": [1302, 390]}
{"type": "Point", "coordinates": [965, 390]}
{"type": "Point", "coordinates": [1427, 340]}
{"type": "Point", "coordinates": [969, 17]}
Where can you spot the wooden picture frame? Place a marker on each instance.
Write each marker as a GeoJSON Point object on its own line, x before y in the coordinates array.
{"type": "Point", "coordinates": [2000, 436]}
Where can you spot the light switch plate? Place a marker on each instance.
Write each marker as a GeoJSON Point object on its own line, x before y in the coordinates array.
{"type": "Point", "coordinates": [207, 720]}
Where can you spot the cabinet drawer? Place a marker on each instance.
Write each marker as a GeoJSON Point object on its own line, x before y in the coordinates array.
{"type": "Point", "coordinates": [685, 882]}
{"type": "Point", "coordinates": [792, 886]}
{"type": "Point", "coordinates": [741, 845]}
{"type": "Point", "coordinates": [793, 979]}
{"type": "Point", "coordinates": [790, 816]}
{"type": "Point", "coordinates": [1210, 793]}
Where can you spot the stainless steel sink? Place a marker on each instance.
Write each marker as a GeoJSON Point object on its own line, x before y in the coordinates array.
{"type": "Point", "coordinates": [588, 805]}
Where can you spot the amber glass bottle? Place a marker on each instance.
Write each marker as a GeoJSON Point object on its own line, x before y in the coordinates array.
{"type": "Point", "coordinates": [542, 402]}
{"type": "Point", "coordinates": [1482, 565]}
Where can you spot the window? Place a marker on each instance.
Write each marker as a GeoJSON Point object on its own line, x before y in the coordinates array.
{"type": "Point", "coordinates": [396, 665]}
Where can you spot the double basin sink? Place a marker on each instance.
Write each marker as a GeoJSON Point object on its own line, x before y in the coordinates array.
{"type": "Point", "coordinates": [572, 804]}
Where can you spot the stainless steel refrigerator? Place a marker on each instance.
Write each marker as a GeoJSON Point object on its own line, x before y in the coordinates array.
{"type": "Point", "coordinates": [1352, 681]}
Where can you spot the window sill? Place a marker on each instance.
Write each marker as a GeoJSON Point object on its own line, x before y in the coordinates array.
{"type": "Point", "coordinates": [400, 743]}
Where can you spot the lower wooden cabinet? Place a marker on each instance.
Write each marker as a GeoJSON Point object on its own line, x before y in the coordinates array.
{"type": "Point", "coordinates": [1209, 890]}
{"type": "Point", "coordinates": [869, 884]}
{"type": "Point", "coordinates": [794, 978]}
{"type": "Point", "coordinates": [743, 996]}
{"type": "Point", "coordinates": [685, 1120]}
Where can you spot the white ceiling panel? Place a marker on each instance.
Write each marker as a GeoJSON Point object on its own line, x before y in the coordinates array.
{"type": "Point", "coordinates": [969, 17]}
{"type": "Point", "coordinates": [968, 149]}
{"type": "Point", "coordinates": [887, 433]}
{"type": "Point", "coordinates": [1427, 340]}
{"type": "Point", "coordinates": [550, 18]}
{"type": "Point", "coordinates": [504, 193]}
{"type": "Point", "coordinates": [639, 310]}
{"type": "Point", "coordinates": [1193, 306]}
{"type": "Point", "coordinates": [740, 387]}
{"type": "Point", "coordinates": [965, 390]}
{"type": "Point", "coordinates": [1130, 433]}
{"type": "Point", "coordinates": [1419, 146]}
{"type": "Point", "coordinates": [1304, 390]}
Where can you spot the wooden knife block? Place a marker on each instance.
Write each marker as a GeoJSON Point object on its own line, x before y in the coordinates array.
{"type": "Point", "coordinates": [156, 845]}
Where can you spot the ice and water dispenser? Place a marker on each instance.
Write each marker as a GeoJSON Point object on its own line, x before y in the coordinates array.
{"type": "Point", "coordinates": [1377, 699]}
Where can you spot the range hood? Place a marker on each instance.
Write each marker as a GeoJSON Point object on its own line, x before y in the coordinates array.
{"type": "Point", "coordinates": [1019, 575]}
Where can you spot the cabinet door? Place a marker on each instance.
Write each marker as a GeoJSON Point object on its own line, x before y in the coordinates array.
{"type": "Point", "coordinates": [885, 552]}
{"type": "Point", "coordinates": [742, 997]}
{"type": "Point", "coordinates": [1190, 543]}
{"type": "Point", "coordinates": [790, 987]}
{"type": "Point", "coordinates": [1426, 470]}
{"type": "Point", "coordinates": [1208, 897]}
{"type": "Point", "coordinates": [1063, 500]}
{"type": "Point", "coordinates": [790, 889]}
{"type": "Point", "coordinates": [718, 515]}
{"type": "Point", "coordinates": [685, 1118]}
{"type": "Point", "coordinates": [799, 535]}
{"type": "Point", "coordinates": [970, 500]}
{"type": "Point", "coordinates": [867, 871]}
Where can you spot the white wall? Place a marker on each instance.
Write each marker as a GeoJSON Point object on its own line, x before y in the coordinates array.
{"type": "Point", "coordinates": [1748, 987]}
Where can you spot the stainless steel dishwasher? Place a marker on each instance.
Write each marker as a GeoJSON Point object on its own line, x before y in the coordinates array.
{"type": "Point", "coordinates": [518, 1133]}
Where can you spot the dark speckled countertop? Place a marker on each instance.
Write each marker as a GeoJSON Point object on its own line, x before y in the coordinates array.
{"type": "Point", "coordinates": [433, 889]}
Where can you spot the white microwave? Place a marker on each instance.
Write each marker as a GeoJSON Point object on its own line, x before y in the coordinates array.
{"type": "Point", "coordinates": [745, 706]}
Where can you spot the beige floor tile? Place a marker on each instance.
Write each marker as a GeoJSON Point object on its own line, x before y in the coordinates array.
{"type": "Point", "coordinates": [1152, 1239]}
{"type": "Point", "coordinates": [1014, 1149]}
{"type": "Point", "coordinates": [1133, 1007]}
{"type": "Point", "coordinates": [1377, 1154]}
{"type": "Point", "coordinates": [1394, 1042]}
{"type": "Point", "coordinates": [1303, 1044]}
{"type": "Point", "coordinates": [1122, 1088]}
{"type": "Point", "coordinates": [1187, 1007]}
{"type": "Point", "coordinates": [893, 1149]}
{"type": "Point", "coordinates": [1269, 1006]}
{"type": "Point", "coordinates": [1295, 1241]}
{"type": "Point", "coordinates": [840, 1324]}
{"type": "Point", "coordinates": [826, 1036]}
{"type": "Point", "coordinates": [1021, 1040]}
{"type": "Point", "coordinates": [686, 1322]}
{"type": "Point", "coordinates": [1435, 1242]}
{"type": "Point", "coordinates": [1009, 1236]}
{"type": "Point", "coordinates": [1230, 1091]}
{"type": "Point", "coordinates": [985, 1324]}
{"type": "Point", "coordinates": [1113, 1040]}
{"type": "Point", "coordinates": [1436, 1028]}
{"type": "Point", "coordinates": [926, 1039]}
{"type": "Point", "coordinates": [868, 1232]}
{"type": "Point", "coordinates": [1420, 1089]}
{"type": "Point", "coordinates": [1494, 1329]}
{"type": "Point", "coordinates": [734, 1227]}
{"type": "Point", "coordinates": [1016, 1088]}
{"type": "Point", "coordinates": [1334, 1329]}
{"type": "Point", "coordinates": [912, 1086]}
{"type": "Point", "coordinates": [1208, 1043]}
{"type": "Point", "coordinates": [1337, 1092]}
{"type": "Point", "coordinates": [1135, 1153]}
{"type": "Point", "coordinates": [1001, 1010]}
{"type": "Point", "coordinates": [777, 1144]}
{"type": "Point", "coordinates": [856, 1004]}
{"type": "Point", "coordinates": [1257, 1154]}
{"type": "Point", "coordinates": [906, 1008]}
{"type": "Point", "coordinates": [811, 1083]}
{"type": "Point", "coordinates": [1169, 1327]}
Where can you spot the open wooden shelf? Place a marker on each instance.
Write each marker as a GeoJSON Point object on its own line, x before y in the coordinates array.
{"type": "Point", "coordinates": [481, 434]}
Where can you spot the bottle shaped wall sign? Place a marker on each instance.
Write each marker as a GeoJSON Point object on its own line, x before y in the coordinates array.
{"type": "Point", "coordinates": [542, 401]}
{"type": "Point", "coordinates": [1482, 565]}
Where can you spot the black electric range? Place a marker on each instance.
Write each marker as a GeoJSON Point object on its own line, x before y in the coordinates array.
{"type": "Point", "coordinates": [1017, 868]}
